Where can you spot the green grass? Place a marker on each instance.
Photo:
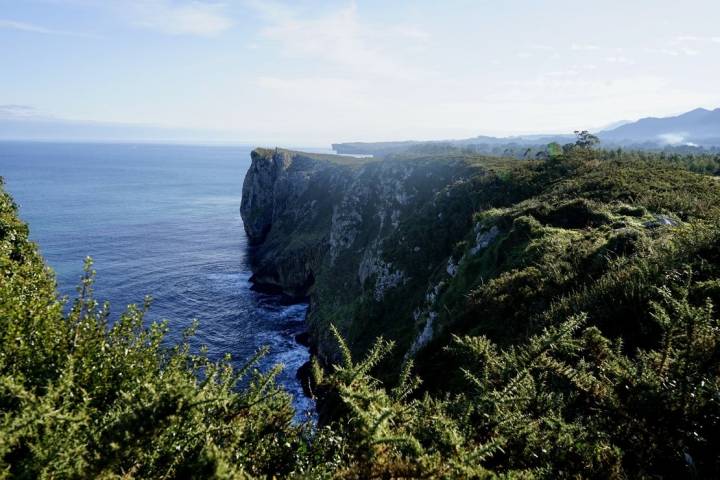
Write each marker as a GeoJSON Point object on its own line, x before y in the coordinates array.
{"type": "Point", "coordinates": [346, 160]}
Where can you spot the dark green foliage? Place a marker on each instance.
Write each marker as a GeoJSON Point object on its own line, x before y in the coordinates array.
{"type": "Point", "coordinates": [568, 401]}
{"type": "Point", "coordinates": [585, 139]}
{"type": "Point", "coordinates": [114, 402]}
{"type": "Point", "coordinates": [80, 398]}
{"type": "Point", "coordinates": [577, 338]}
{"type": "Point", "coordinates": [587, 221]}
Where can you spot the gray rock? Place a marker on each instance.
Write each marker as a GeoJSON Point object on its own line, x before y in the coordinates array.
{"type": "Point", "coordinates": [483, 239]}
{"type": "Point", "coordinates": [661, 221]}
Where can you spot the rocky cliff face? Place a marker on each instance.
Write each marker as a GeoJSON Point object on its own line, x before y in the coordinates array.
{"type": "Point", "coordinates": [418, 248]}
{"type": "Point", "coordinates": [283, 218]}
{"type": "Point", "coordinates": [361, 238]}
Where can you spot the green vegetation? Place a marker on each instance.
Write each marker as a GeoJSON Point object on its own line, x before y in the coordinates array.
{"type": "Point", "coordinates": [82, 399]}
{"type": "Point", "coordinates": [575, 338]}
{"type": "Point", "coordinates": [347, 160]}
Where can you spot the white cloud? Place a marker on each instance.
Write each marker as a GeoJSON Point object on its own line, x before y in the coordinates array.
{"type": "Point", "coordinates": [673, 138]}
{"type": "Point", "coordinates": [674, 52]}
{"type": "Point", "coordinates": [339, 38]}
{"type": "Point", "coordinates": [687, 45]}
{"type": "Point", "coordinates": [664, 51]}
{"type": "Point", "coordinates": [684, 39]}
{"type": "Point", "coordinates": [179, 18]}
{"type": "Point", "coordinates": [18, 111]}
{"type": "Point", "coordinates": [541, 47]}
{"type": "Point", "coordinates": [409, 31]}
{"type": "Point", "coordinates": [583, 48]}
{"type": "Point", "coordinates": [563, 73]}
{"type": "Point", "coordinates": [33, 28]}
{"type": "Point", "coordinates": [619, 59]}
{"type": "Point", "coordinates": [339, 92]}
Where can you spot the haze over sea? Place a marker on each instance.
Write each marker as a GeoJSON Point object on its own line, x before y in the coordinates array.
{"type": "Point", "coordinates": [159, 220]}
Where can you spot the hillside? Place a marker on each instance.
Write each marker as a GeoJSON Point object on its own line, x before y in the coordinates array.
{"type": "Point", "coordinates": [421, 250]}
{"type": "Point", "coordinates": [474, 317]}
{"type": "Point", "coordinates": [394, 248]}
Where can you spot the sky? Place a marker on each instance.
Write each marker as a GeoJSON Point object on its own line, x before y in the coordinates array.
{"type": "Point", "coordinates": [309, 72]}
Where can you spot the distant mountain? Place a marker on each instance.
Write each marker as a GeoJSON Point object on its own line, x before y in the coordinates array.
{"type": "Point", "coordinates": [697, 127]}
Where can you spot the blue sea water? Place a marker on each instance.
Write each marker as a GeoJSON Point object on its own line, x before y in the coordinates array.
{"type": "Point", "coordinates": [159, 220]}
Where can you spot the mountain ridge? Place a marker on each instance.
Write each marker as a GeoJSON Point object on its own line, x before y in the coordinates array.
{"type": "Point", "coordinates": [699, 127]}
{"type": "Point", "coordinates": [696, 128]}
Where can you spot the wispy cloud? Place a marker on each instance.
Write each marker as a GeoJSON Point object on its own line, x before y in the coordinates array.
{"type": "Point", "coordinates": [14, 111]}
{"type": "Point", "coordinates": [597, 92]}
{"type": "Point", "coordinates": [179, 18]}
{"type": "Point", "coordinates": [33, 28]}
{"type": "Point", "coordinates": [340, 38]}
{"type": "Point", "coordinates": [563, 73]}
{"type": "Point", "coordinates": [536, 50]}
{"type": "Point", "coordinates": [620, 59]}
{"type": "Point", "coordinates": [341, 93]}
{"type": "Point", "coordinates": [674, 51]}
{"type": "Point", "coordinates": [583, 47]}
{"type": "Point", "coordinates": [675, 138]}
{"type": "Point", "coordinates": [684, 39]}
{"type": "Point", "coordinates": [541, 47]}
{"type": "Point", "coordinates": [686, 45]}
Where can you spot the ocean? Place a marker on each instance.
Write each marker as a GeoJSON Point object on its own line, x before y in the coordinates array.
{"type": "Point", "coordinates": [158, 220]}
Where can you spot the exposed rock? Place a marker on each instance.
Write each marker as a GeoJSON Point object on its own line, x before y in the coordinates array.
{"type": "Point", "coordinates": [345, 226]}
{"type": "Point", "coordinates": [387, 278]}
{"type": "Point", "coordinates": [451, 268]}
{"type": "Point", "coordinates": [425, 336]}
{"type": "Point", "coordinates": [483, 239]}
{"type": "Point", "coordinates": [661, 221]}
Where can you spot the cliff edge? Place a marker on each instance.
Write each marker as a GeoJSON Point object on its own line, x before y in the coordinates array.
{"type": "Point", "coordinates": [342, 231]}
{"type": "Point", "coordinates": [416, 248]}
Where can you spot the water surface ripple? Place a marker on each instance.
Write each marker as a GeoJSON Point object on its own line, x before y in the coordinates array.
{"type": "Point", "coordinates": [158, 220]}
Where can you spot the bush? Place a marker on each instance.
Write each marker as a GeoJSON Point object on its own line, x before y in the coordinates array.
{"type": "Point", "coordinates": [574, 342]}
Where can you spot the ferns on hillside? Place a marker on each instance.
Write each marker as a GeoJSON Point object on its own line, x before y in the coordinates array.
{"type": "Point", "coordinates": [568, 400]}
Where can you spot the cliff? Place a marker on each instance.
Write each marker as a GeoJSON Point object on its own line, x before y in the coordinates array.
{"type": "Point", "coordinates": [415, 249]}
{"type": "Point", "coordinates": [342, 231]}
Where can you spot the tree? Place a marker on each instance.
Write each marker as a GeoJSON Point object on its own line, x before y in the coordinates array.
{"type": "Point", "coordinates": [554, 150]}
{"type": "Point", "coordinates": [585, 139]}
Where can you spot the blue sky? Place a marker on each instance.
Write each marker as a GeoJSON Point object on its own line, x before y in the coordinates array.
{"type": "Point", "coordinates": [313, 72]}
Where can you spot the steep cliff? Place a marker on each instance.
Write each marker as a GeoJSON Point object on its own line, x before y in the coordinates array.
{"type": "Point", "coordinates": [418, 248]}
{"type": "Point", "coordinates": [342, 231]}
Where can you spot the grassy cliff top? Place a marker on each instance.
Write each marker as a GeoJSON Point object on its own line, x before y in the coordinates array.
{"type": "Point", "coordinates": [323, 157]}
{"type": "Point", "coordinates": [453, 156]}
